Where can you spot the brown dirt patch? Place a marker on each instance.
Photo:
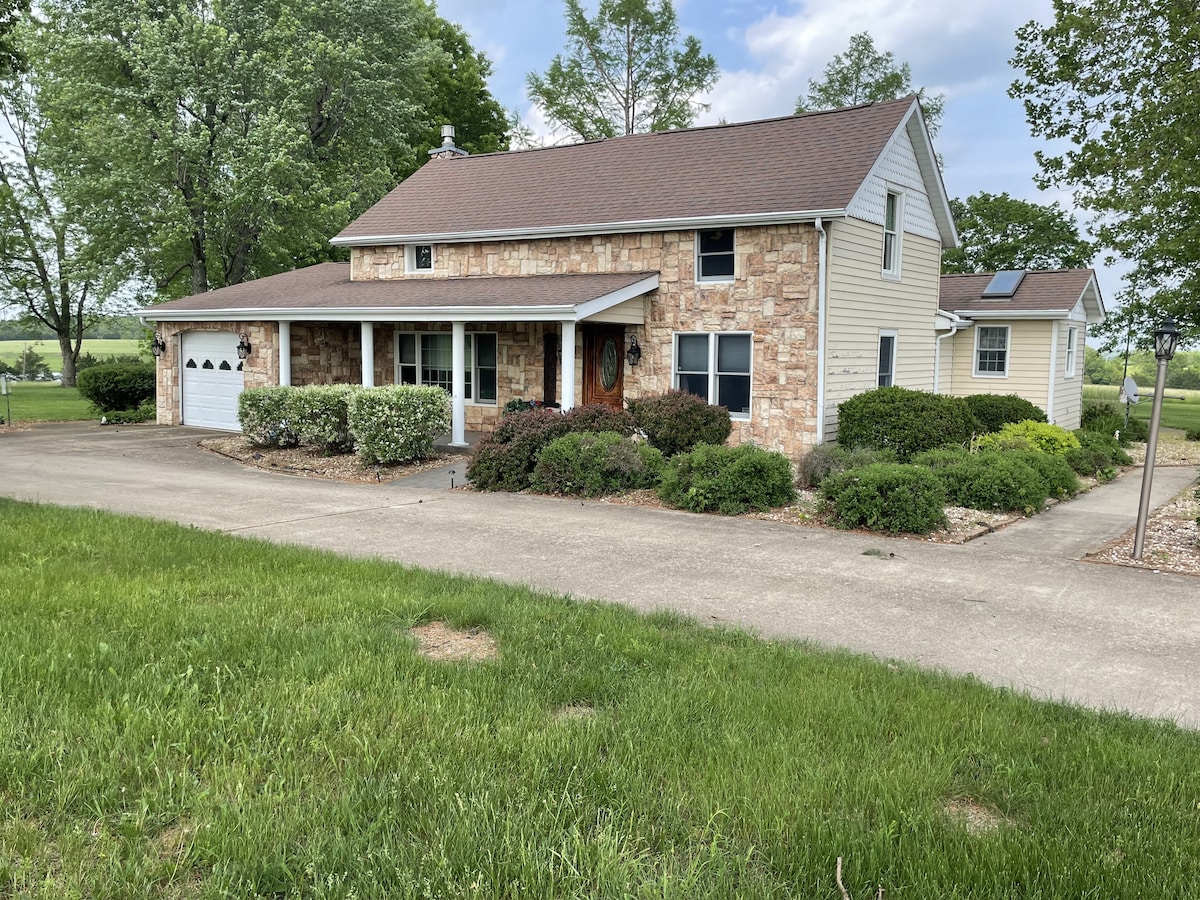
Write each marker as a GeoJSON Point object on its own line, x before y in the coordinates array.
{"type": "Point", "coordinates": [974, 816]}
{"type": "Point", "coordinates": [575, 711]}
{"type": "Point", "coordinates": [438, 641]}
{"type": "Point", "coordinates": [310, 464]}
{"type": "Point", "coordinates": [173, 842]}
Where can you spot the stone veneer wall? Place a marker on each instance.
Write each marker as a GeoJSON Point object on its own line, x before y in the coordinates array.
{"type": "Point", "coordinates": [261, 369]}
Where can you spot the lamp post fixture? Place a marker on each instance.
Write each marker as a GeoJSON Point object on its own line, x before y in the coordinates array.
{"type": "Point", "coordinates": [1166, 339]}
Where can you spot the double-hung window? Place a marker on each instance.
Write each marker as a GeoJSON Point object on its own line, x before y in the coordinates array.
{"type": "Point", "coordinates": [891, 234]}
{"type": "Point", "coordinates": [887, 357]}
{"type": "Point", "coordinates": [1072, 343]}
{"type": "Point", "coordinates": [418, 258]}
{"type": "Point", "coordinates": [991, 351]}
{"type": "Point", "coordinates": [714, 255]}
{"type": "Point", "coordinates": [427, 359]}
{"type": "Point", "coordinates": [715, 367]}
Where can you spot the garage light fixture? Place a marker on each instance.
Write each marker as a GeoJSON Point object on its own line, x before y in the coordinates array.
{"type": "Point", "coordinates": [158, 346]}
{"type": "Point", "coordinates": [634, 355]}
{"type": "Point", "coordinates": [243, 347]}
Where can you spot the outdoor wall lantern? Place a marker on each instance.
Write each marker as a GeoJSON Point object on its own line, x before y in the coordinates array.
{"type": "Point", "coordinates": [243, 347]}
{"type": "Point", "coordinates": [634, 354]}
{"type": "Point", "coordinates": [158, 346]}
{"type": "Point", "coordinates": [1166, 339]}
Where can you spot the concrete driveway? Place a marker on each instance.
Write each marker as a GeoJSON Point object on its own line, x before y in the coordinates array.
{"type": "Point", "coordinates": [1016, 608]}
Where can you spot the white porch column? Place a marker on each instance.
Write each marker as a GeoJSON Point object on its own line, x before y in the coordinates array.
{"type": "Point", "coordinates": [567, 354]}
{"type": "Point", "coordinates": [458, 380]}
{"type": "Point", "coordinates": [285, 353]}
{"type": "Point", "coordinates": [368, 353]}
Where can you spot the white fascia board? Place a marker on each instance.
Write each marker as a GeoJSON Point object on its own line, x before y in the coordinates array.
{"type": "Point", "coordinates": [608, 301]}
{"type": "Point", "coordinates": [998, 316]}
{"type": "Point", "coordinates": [556, 313]}
{"type": "Point", "coordinates": [586, 230]}
{"type": "Point", "coordinates": [1093, 302]}
{"type": "Point", "coordinates": [943, 318]}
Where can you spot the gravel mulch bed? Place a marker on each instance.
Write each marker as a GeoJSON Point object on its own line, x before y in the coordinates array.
{"type": "Point", "coordinates": [1172, 539]}
{"type": "Point", "coordinates": [309, 464]}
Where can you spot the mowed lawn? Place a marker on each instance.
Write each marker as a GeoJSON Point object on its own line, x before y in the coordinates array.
{"type": "Point", "coordinates": [10, 351]}
{"type": "Point", "coordinates": [44, 401]}
{"type": "Point", "coordinates": [188, 715]}
{"type": "Point", "coordinates": [1181, 408]}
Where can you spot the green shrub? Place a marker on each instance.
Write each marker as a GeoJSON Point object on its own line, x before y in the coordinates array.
{"type": "Point", "coordinates": [824, 460]}
{"type": "Point", "coordinates": [1192, 434]}
{"type": "Point", "coordinates": [1103, 443]}
{"type": "Point", "coordinates": [590, 464]}
{"type": "Point", "coordinates": [319, 415]}
{"type": "Point", "coordinates": [505, 459]}
{"type": "Point", "coordinates": [144, 413]}
{"type": "Point", "coordinates": [397, 423]}
{"type": "Point", "coordinates": [904, 421]}
{"type": "Point", "coordinates": [994, 411]}
{"type": "Point", "coordinates": [1029, 436]}
{"type": "Point", "coordinates": [597, 417]}
{"type": "Point", "coordinates": [1058, 478]}
{"type": "Point", "coordinates": [115, 387]}
{"type": "Point", "coordinates": [990, 481]}
{"type": "Point", "coordinates": [887, 497]}
{"type": "Point", "coordinates": [730, 480]}
{"type": "Point", "coordinates": [677, 421]}
{"type": "Point", "coordinates": [1105, 418]}
{"type": "Point", "coordinates": [265, 414]}
{"type": "Point", "coordinates": [941, 457]}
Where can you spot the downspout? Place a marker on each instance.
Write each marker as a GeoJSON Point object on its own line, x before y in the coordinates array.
{"type": "Point", "coordinates": [1053, 371]}
{"type": "Point", "coordinates": [821, 336]}
{"type": "Point", "coordinates": [955, 328]}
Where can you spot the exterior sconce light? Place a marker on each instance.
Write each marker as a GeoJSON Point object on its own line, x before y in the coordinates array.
{"type": "Point", "coordinates": [243, 347]}
{"type": "Point", "coordinates": [158, 346]}
{"type": "Point", "coordinates": [1166, 339]}
{"type": "Point", "coordinates": [634, 354]}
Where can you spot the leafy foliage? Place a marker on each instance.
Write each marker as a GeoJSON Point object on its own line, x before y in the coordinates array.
{"type": "Point", "coordinates": [591, 464]}
{"type": "Point", "coordinates": [999, 480]}
{"type": "Point", "coordinates": [994, 411]}
{"type": "Point", "coordinates": [1029, 435]}
{"type": "Point", "coordinates": [677, 421]}
{"type": "Point", "coordinates": [505, 459]}
{"type": "Point", "coordinates": [397, 423]}
{"type": "Point", "coordinates": [887, 497]}
{"type": "Point", "coordinates": [597, 417]}
{"type": "Point", "coordinates": [1055, 471]}
{"type": "Point", "coordinates": [115, 387]}
{"type": "Point", "coordinates": [729, 480]}
{"type": "Point", "coordinates": [319, 415]}
{"type": "Point", "coordinates": [265, 414]}
{"type": "Point", "coordinates": [998, 232]}
{"type": "Point", "coordinates": [625, 71]}
{"type": "Point", "coordinates": [1106, 419]}
{"type": "Point", "coordinates": [824, 460]}
{"type": "Point", "coordinates": [904, 421]}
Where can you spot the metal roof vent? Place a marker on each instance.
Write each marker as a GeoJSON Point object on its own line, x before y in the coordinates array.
{"type": "Point", "coordinates": [1004, 284]}
{"type": "Point", "coordinates": [447, 150]}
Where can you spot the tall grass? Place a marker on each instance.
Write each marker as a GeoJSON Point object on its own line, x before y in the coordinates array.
{"type": "Point", "coordinates": [186, 714]}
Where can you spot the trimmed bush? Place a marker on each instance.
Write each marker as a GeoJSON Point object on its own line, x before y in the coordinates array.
{"type": "Point", "coordinates": [591, 464]}
{"type": "Point", "coordinates": [941, 457]}
{"type": "Point", "coordinates": [904, 421]}
{"type": "Point", "coordinates": [319, 414]}
{"type": "Point", "coordinates": [729, 480]}
{"type": "Point", "coordinates": [1192, 434]}
{"type": "Point", "coordinates": [598, 417]}
{"type": "Point", "coordinates": [115, 387]}
{"type": "Point", "coordinates": [144, 413]}
{"type": "Point", "coordinates": [887, 497]}
{"type": "Point", "coordinates": [397, 423]}
{"type": "Point", "coordinates": [1099, 445]}
{"type": "Point", "coordinates": [991, 481]}
{"type": "Point", "coordinates": [505, 459]}
{"type": "Point", "coordinates": [265, 414]}
{"type": "Point", "coordinates": [994, 411]}
{"type": "Point", "coordinates": [824, 460]}
{"type": "Point", "coordinates": [677, 421]}
{"type": "Point", "coordinates": [1029, 436]}
{"type": "Point", "coordinates": [1058, 478]}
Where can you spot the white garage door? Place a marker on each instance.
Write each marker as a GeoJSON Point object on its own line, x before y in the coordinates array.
{"type": "Point", "coordinates": [212, 379]}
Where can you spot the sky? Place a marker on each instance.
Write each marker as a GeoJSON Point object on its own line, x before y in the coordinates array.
{"type": "Point", "coordinates": [767, 52]}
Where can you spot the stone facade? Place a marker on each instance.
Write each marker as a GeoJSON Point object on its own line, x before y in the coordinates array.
{"type": "Point", "coordinates": [261, 368]}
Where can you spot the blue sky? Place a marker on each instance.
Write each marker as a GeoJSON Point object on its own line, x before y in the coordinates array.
{"type": "Point", "coordinates": [767, 52]}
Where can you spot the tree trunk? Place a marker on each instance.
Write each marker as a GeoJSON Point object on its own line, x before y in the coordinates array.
{"type": "Point", "coordinates": [68, 348]}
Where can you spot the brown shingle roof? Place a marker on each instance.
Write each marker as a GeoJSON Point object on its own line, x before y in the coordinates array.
{"type": "Point", "coordinates": [1056, 290]}
{"type": "Point", "coordinates": [327, 286]}
{"type": "Point", "coordinates": [814, 162]}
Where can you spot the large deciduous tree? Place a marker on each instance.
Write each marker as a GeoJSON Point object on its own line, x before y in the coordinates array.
{"type": "Point", "coordinates": [1115, 84]}
{"type": "Point", "coordinates": [864, 75]}
{"type": "Point", "coordinates": [999, 232]}
{"type": "Point", "coordinates": [625, 71]}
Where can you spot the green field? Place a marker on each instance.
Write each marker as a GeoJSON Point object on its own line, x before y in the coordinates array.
{"type": "Point", "coordinates": [189, 714]}
{"type": "Point", "coordinates": [1181, 409]}
{"type": "Point", "coordinates": [10, 351]}
{"type": "Point", "coordinates": [43, 401]}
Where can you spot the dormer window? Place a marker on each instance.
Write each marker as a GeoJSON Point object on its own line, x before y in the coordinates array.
{"type": "Point", "coordinates": [714, 255]}
{"type": "Point", "coordinates": [418, 258]}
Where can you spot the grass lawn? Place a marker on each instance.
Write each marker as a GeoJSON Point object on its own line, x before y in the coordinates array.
{"type": "Point", "coordinates": [186, 714]}
{"type": "Point", "coordinates": [10, 351]}
{"type": "Point", "coordinates": [43, 401]}
{"type": "Point", "coordinates": [1181, 409]}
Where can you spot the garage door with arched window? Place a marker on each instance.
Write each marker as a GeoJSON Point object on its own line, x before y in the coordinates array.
{"type": "Point", "coordinates": [211, 380]}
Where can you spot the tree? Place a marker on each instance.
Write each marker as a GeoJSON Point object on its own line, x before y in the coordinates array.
{"type": "Point", "coordinates": [864, 75]}
{"type": "Point", "coordinates": [1116, 85]}
{"type": "Point", "coordinates": [625, 72]}
{"type": "Point", "coordinates": [1099, 369]}
{"type": "Point", "coordinates": [1001, 232]}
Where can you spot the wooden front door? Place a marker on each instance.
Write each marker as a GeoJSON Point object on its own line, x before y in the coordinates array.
{"type": "Point", "coordinates": [604, 364]}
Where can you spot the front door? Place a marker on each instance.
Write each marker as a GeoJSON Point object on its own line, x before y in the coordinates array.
{"type": "Point", "coordinates": [604, 364]}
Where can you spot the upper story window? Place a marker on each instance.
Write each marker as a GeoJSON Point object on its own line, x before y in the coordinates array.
{"type": "Point", "coordinates": [418, 258]}
{"type": "Point", "coordinates": [891, 234]}
{"type": "Point", "coordinates": [991, 351]}
{"type": "Point", "coordinates": [714, 255]}
{"type": "Point", "coordinates": [1072, 345]}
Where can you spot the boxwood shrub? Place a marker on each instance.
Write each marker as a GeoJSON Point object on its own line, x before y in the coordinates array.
{"type": "Point", "coordinates": [397, 423]}
{"type": "Point", "coordinates": [591, 464]}
{"type": "Point", "coordinates": [730, 480]}
{"type": "Point", "coordinates": [265, 414]}
{"type": "Point", "coordinates": [1058, 478]}
{"type": "Point", "coordinates": [1029, 436]}
{"type": "Point", "coordinates": [1098, 454]}
{"type": "Point", "coordinates": [887, 497]}
{"type": "Point", "coordinates": [824, 460]}
{"type": "Point", "coordinates": [990, 481]}
{"type": "Point", "coordinates": [505, 459]}
{"type": "Point", "coordinates": [677, 421]}
{"type": "Point", "coordinates": [904, 421]}
{"type": "Point", "coordinates": [598, 417]}
{"type": "Point", "coordinates": [116, 387]}
{"type": "Point", "coordinates": [319, 415]}
{"type": "Point", "coordinates": [941, 457]}
{"type": "Point", "coordinates": [994, 411]}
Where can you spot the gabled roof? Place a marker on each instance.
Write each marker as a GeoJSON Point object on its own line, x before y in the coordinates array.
{"type": "Point", "coordinates": [789, 169]}
{"type": "Point", "coordinates": [1048, 294]}
{"type": "Point", "coordinates": [325, 292]}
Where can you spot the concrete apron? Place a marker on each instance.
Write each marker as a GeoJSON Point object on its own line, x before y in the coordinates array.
{"type": "Point", "coordinates": [1014, 609]}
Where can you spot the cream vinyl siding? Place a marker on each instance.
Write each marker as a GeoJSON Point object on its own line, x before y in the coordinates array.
{"type": "Point", "coordinates": [1068, 392]}
{"type": "Point", "coordinates": [1028, 361]}
{"type": "Point", "coordinates": [861, 302]}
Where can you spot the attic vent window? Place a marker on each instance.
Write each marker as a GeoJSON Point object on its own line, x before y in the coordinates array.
{"type": "Point", "coordinates": [1004, 284]}
{"type": "Point", "coordinates": [418, 257]}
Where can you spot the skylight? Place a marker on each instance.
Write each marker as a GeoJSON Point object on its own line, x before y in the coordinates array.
{"type": "Point", "coordinates": [1004, 284]}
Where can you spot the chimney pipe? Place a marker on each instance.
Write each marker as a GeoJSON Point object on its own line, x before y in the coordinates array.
{"type": "Point", "coordinates": [447, 150]}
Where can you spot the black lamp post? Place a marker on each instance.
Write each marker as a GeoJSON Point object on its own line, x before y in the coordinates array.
{"type": "Point", "coordinates": [1166, 339]}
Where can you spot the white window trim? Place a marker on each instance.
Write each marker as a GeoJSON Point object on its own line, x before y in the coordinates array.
{"type": "Point", "coordinates": [893, 274]}
{"type": "Point", "coordinates": [1072, 351]}
{"type": "Point", "coordinates": [1007, 352]}
{"type": "Point", "coordinates": [715, 279]}
{"type": "Point", "coordinates": [470, 401]}
{"type": "Point", "coordinates": [895, 336]}
{"type": "Point", "coordinates": [410, 259]}
{"type": "Point", "coordinates": [712, 366]}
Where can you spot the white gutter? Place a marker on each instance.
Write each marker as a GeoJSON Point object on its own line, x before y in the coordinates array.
{"type": "Point", "coordinates": [955, 327]}
{"type": "Point", "coordinates": [821, 336]}
{"type": "Point", "coordinates": [999, 314]}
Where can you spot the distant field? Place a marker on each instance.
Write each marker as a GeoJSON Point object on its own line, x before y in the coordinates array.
{"type": "Point", "coordinates": [10, 351]}
{"type": "Point", "coordinates": [33, 401]}
{"type": "Point", "coordinates": [1181, 409]}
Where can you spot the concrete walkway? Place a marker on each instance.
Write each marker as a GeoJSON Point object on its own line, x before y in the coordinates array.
{"type": "Point", "coordinates": [1016, 608]}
